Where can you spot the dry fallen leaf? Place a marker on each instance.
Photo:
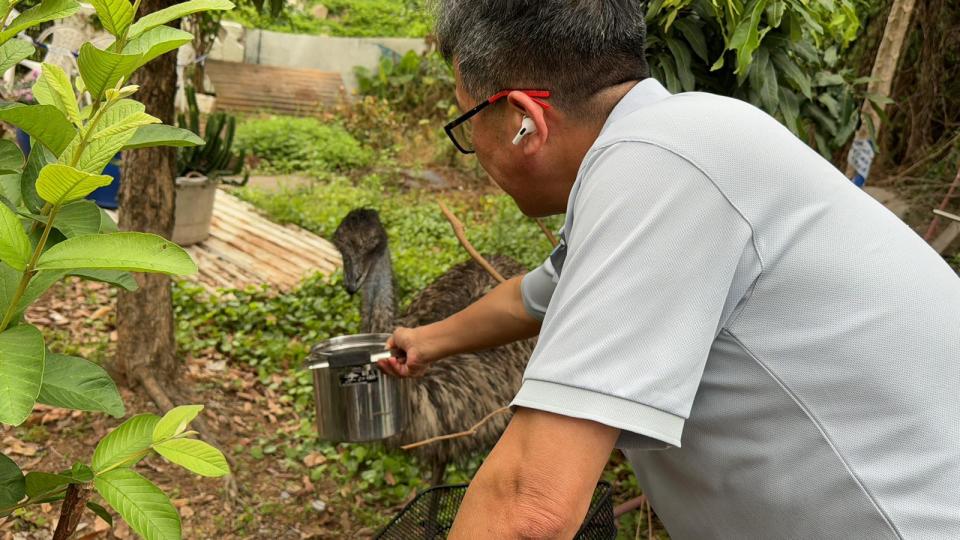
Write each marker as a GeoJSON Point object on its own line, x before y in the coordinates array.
{"type": "Point", "coordinates": [313, 459]}
{"type": "Point", "coordinates": [13, 445]}
{"type": "Point", "coordinates": [307, 485]}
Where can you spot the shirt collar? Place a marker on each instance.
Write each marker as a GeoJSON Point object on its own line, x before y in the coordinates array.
{"type": "Point", "coordinates": [645, 92]}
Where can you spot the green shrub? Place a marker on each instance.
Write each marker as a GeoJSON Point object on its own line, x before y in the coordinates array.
{"type": "Point", "coordinates": [421, 86]}
{"type": "Point", "coordinates": [283, 144]}
{"type": "Point", "coordinates": [347, 18]}
{"type": "Point", "coordinates": [780, 55]}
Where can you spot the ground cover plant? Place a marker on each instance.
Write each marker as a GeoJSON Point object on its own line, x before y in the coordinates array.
{"type": "Point", "coordinates": [279, 144]}
{"type": "Point", "coordinates": [47, 232]}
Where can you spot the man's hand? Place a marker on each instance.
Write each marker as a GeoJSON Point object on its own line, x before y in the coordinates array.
{"type": "Point", "coordinates": [496, 319]}
{"type": "Point", "coordinates": [538, 480]}
{"type": "Point", "coordinates": [411, 355]}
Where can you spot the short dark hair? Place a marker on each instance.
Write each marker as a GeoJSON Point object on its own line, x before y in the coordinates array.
{"type": "Point", "coordinates": [573, 48]}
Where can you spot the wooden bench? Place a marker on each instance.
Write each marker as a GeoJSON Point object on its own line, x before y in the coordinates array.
{"type": "Point", "coordinates": [254, 88]}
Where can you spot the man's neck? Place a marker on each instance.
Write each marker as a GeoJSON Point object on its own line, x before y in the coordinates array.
{"type": "Point", "coordinates": [582, 134]}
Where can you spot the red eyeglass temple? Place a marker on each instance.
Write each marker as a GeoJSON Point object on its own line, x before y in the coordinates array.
{"type": "Point", "coordinates": [532, 93]}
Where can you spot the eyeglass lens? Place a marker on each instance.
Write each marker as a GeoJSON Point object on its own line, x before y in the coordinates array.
{"type": "Point", "coordinates": [463, 132]}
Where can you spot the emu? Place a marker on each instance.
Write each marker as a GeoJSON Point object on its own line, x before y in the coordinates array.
{"type": "Point", "coordinates": [456, 392]}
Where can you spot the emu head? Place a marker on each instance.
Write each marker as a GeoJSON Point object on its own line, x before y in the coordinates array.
{"type": "Point", "coordinates": [361, 239]}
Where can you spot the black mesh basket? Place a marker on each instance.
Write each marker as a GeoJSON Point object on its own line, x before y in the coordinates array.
{"type": "Point", "coordinates": [430, 515]}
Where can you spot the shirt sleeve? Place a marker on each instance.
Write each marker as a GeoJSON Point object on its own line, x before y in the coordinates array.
{"type": "Point", "coordinates": [650, 261]}
{"type": "Point", "coordinates": [537, 286]}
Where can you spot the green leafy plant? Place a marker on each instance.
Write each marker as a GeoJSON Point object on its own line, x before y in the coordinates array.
{"type": "Point", "coordinates": [283, 144]}
{"type": "Point", "coordinates": [780, 55]}
{"type": "Point", "coordinates": [215, 158]}
{"type": "Point", "coordinates": [346, 18]}
{"type": "Point", "coordinates": [47, 232]}
{"type": "Point", "coordinates": [419, 85]}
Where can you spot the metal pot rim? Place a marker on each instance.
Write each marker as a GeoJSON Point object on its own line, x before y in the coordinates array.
{"type": "Point", "coordinates": [324, 349]}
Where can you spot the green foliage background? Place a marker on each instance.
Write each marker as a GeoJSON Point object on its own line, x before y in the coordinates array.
{"type": "Point", "coordinates": [780, 55]}
{"type": "Point", "coordinates": [347, 18]}
{"type": "Point", "coordinates": [284, 145]}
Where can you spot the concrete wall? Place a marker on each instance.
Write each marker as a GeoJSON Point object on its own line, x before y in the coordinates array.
{"type": "Point", "coordinates": [316, 52]}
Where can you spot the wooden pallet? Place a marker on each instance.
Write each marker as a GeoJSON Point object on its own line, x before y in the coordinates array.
{"type": "Point", "coordinates": [245, 248]}
{"type": "Point", "coordinates": [254, 88]}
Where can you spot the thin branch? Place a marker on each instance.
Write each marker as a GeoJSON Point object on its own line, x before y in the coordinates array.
{"type": "Point", "coordinates": [933, 155]}
{"type": "Point", "coordinates": [947, 215]}
{"type": "Point", "coordinates": [28, 272]}
{"type": "Point", "coordinates": [462, 237]}
{"type": "Point", "coordinates": [935, 222]}
{"type": "Point", "coordinates": [629, 506]}
{"type": "Point", "coordinates": [471, 431]}
{"type": "Point", "coordinates": [649, 520]}
{"type": "Point", "coordinates": [546, 230]}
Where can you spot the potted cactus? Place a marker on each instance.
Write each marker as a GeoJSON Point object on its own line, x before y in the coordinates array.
{"type": "Point", "coordinates": [202, 170]}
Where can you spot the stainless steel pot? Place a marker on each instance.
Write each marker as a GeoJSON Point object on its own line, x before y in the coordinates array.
{"type": "Point", "coordinates": [356, 402]}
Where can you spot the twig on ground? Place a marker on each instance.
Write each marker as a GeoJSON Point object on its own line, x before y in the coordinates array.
{"type": "Point", "coordinates": [546, 230]}
{"type": "Point", "coordinates": [466, 433]}
{"type": "Point", "coordinates": [462, 237]}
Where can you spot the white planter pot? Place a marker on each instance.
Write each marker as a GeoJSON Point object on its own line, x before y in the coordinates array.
{"type": "Point", "coordinates": [195, 196]}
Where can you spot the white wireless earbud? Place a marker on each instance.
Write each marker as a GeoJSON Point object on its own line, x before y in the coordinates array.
{"type": "Point", "coordinates": [526, 127]}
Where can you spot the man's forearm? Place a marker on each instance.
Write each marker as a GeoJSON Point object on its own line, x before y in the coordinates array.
{"type": "Point", "coordinates": [496, 319]}
{"type": "Point", "coordinates": [538, 480]}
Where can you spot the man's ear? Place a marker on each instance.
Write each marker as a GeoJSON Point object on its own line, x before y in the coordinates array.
{"type": "Point", "coordinates": [524, 105]}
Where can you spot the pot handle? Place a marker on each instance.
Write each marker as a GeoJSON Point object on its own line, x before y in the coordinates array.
{"type": "Point", "coordinates": [356, 359]}
{"type": "Point", "coordinates": [376, 357]}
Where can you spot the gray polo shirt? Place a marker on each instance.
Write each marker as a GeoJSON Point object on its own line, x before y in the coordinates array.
{"type": "Point", "coordinates": [781, 353]}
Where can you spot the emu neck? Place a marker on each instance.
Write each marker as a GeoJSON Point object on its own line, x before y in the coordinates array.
{"type": "Point", "coordinates": [377, 311]}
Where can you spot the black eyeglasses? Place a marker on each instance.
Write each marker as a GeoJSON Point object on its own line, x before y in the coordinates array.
{"type": "Point", "coordinates": [460, 130]}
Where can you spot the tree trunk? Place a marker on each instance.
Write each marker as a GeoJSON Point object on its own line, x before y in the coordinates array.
{"type": "Point", "coordinates": [145, 326]}
{"type": "Point", "coordinates": [885, 67]}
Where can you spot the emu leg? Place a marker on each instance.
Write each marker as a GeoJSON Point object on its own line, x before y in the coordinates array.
{"type": "Point", "coordinates": [439, 471]}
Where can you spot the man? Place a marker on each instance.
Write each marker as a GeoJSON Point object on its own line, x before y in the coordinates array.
{"type": "Point", "coordinates": [776, 353]}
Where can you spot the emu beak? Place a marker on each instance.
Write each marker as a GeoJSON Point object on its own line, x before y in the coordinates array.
{"type": "Point", "coordinates": [352, 288]}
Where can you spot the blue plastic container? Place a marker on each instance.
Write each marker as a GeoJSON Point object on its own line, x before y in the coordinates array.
{"type": "Point", "coordinates": [105, 197]}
